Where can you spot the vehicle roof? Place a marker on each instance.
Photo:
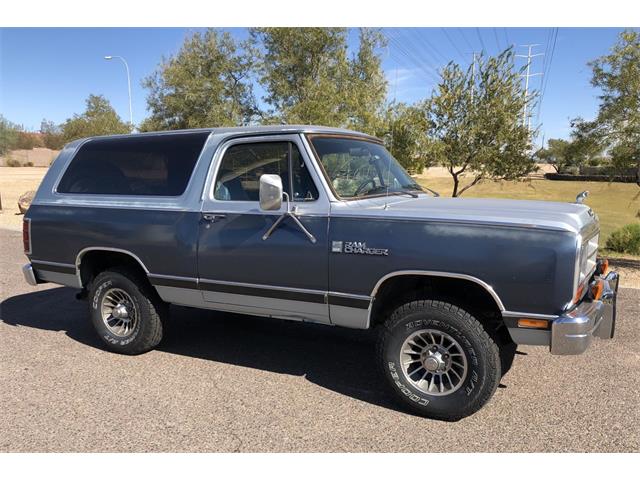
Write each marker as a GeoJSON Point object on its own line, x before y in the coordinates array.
{"type": "Point", "coordinates": [253, 129]}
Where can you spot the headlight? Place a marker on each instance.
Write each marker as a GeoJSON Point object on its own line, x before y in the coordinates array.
{"type": "Point", "coordinates": [585, 264]}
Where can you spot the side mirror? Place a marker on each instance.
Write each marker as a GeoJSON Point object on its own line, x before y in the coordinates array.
{"type": "Point", "coordinates": [270, 192]}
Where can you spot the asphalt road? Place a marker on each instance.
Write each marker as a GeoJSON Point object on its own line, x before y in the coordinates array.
{"type": "Point", "coordinates": [223, 382]}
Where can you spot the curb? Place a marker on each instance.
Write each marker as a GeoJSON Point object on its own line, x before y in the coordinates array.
{"type": "Point", "coordinates": [624, 262]}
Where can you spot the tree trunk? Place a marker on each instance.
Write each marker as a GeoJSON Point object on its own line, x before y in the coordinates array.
{"type": "Point", "coordinates": [475, 181]}
{"type": "Point", "coordinates": [456, 184]}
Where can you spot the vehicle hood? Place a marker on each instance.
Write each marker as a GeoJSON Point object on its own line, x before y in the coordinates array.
{"type": "Point", "coordinates": [571, 217]}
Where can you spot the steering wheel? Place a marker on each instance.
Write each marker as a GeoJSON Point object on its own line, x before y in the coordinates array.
{"type": "Point", "coordinates": [364, 184]}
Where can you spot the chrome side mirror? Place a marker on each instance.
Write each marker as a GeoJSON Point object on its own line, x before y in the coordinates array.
{"type": "Point", "coordinates": [270, 192]}
{"type": "Point", "coordinates": [271, 199]}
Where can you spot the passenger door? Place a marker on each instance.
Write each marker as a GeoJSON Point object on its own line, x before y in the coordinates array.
{"type": "Point", "coordinates": [284, 275]}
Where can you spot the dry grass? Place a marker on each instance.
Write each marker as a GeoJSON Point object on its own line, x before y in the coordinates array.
{"type": "Point", "coordinates": [13, 183]}
{"type": "Point", "coordinates": [615, 203]}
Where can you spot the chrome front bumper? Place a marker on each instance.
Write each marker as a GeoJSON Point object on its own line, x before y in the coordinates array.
{"type": "Point", "coordinates": [572, 332]}
{"type": "Point", "coordinates": [29, 274]}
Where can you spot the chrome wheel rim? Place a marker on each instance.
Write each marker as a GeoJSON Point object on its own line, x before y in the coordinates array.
{"type": "Point", "coordinates": [433, 362]}
{"type": "Point", "coordinates": [118, 312]}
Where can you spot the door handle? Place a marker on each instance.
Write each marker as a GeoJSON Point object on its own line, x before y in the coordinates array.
{"type": "Point", "coordinates": [213, 217]}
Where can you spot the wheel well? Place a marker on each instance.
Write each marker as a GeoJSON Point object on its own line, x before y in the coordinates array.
{"type": "Point", "coordinates": [464, 293]}
{"type": "Point", "coordinates": [95, 261]}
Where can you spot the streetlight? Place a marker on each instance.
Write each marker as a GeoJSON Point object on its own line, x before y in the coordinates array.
{"type": "Point", "coordinates": [111, 57]}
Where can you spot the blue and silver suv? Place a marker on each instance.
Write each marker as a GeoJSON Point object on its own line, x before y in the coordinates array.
{"type": "Point", "coordinates": [318, 225]}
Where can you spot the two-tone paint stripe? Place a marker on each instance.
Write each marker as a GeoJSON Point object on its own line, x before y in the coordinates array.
{"type": "Point", "coordinates": [54, 267]}
{"type": "Point", "coordinates": [265, 291]}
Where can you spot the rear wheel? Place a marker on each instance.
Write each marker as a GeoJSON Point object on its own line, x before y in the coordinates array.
{"type": "Point", "coordinates": [438, 360]}
{"type": "Point", "coordinates": [126, 313]}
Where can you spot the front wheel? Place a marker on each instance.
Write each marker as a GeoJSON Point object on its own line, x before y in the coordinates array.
{"type": "Point", "coordinates": [438, 359]}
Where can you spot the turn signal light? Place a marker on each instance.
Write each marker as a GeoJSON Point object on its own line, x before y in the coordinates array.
{"type": "Point", "coordinates": [596, 289]}
{"type": "Point", "coordinates": [579, 293]}
{"type": "Point", "coordinates": [604, 267]}
{"type": "Point", "coordinates": [532, 323]}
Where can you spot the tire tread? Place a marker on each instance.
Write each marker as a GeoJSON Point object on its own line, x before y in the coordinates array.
{"type": "Point", "coordinates": [154, 305]}
{"type": "Point", "coordinates": [493, 367]}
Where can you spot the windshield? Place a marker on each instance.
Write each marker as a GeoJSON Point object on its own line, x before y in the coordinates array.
{"type": "Point", "coordinates": [359, 168]}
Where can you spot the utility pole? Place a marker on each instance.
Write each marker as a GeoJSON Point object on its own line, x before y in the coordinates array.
{"type": "Point", "coordinates": [473, 75]}
{"type": "Point", "coordinates": [527, 122]}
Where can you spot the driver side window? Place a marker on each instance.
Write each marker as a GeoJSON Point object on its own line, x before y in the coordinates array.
{"type": "Point", "coordinates": [243, 164]}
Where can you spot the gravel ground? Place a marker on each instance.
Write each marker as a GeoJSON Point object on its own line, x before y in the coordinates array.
{"type": "Point", "coordinates": [223, 382]}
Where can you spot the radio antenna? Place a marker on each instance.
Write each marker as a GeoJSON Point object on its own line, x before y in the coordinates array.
{"type": "Point", "coordinates": [393, 123]}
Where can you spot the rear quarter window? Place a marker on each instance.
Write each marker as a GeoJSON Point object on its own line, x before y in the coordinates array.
{"type": "Point", "coordinates": [155, 165]}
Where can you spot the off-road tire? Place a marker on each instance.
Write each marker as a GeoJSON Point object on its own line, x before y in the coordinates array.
{"type": "Point", "coordinates": [152, 311]}
{"type": "Point", "coordinates": [482, 354]}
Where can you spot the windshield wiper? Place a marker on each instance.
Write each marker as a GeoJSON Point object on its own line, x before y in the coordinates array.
{"type": "Point", "coordinates": [416, 186]}
{"type": "Point", "coordinates": [396, 191]}
{"type": "Point", "coordinates": [413, 194]}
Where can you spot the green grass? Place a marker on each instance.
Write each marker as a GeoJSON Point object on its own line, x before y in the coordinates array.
{"type": "Point", "coordinates": [616, 204]}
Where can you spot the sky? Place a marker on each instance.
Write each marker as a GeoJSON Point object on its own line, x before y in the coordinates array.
{"type": "Point", "coordinates": [49, 72]}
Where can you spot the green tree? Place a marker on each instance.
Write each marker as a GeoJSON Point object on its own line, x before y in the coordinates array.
{"type": "Point", "coordinates": [8, 135]}
{"type": "Point", "coordinates": [475, 122]}
{"type": "Point", "coordinates": [586, 144]}
{"type": "Point", "coordinates": [404, 134]}
{"type": "Point", "coordinates": [99, 118]}
{"type": "Point", "coordinates": [305, 74]}
{"type": "Point", "coordinates": [555, 154]}
{"type": "Point", "coordinates": [309, 78]}
{"type": "Point", "coordinates": [367, 86]}
{"type": "Point", "coordinates": [207, 84]}
{"type": "Point", "coordinates": [617, 125]}
{"type": "Point", "coordinates": [26, 140]}
{"type": "Point", "coordinates": [52, 135]}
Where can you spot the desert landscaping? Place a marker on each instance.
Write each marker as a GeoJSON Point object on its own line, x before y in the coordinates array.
{"type": "Point", "coordinates": [14, 181]}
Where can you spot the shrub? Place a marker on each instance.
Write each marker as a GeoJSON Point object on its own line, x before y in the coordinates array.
{"type": "Point", "coordinates": [625, 239]}
{"type": "Point", "coordinates": [28, 164]}
{"type": "Point", "coordinates": [27, 141]}
{"type": "Point", "coordinates": [12, 162]}
{"type": "Point", "coordinates": [571, 170]}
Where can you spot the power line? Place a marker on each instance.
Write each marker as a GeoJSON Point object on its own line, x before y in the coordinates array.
{"type": "Point", "coordinates": [480, 38]}
{"type": "Point", "coordinates": [464, 37]}
{"type": "Point", "coordinates": [545, 62]}
{"type": "Point", "coordinates": [446, 34]}
{"type": "Point", "coordinates": [546, 77]}
{"type": "Point", "coordinates": [416, 61]}
{"type": "Point", "coordinates": [431, 50]}
{"type": "Point", "coordinates": [495, 34]}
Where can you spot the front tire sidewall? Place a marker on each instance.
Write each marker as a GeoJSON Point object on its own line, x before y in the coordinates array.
{"type": "Point", "coordinates": [471, 395]}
